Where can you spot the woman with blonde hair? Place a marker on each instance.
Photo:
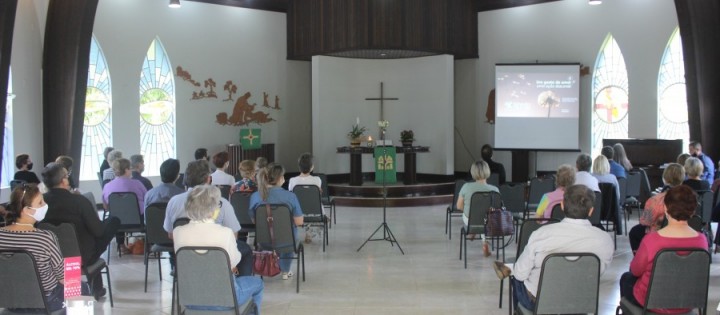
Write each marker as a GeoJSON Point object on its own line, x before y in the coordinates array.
{"type": "Point", "coordinates": [480, 172]}
{"type": "Point", "coordinates": [270, 191]}
{"type": "Point", "coordinates": [601, 171]}
{"type": "Point", "coordinates": [564, 178]}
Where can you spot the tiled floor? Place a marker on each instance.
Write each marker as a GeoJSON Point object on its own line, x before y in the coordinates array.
{"type": "Point", "coordinates": [428, 279]}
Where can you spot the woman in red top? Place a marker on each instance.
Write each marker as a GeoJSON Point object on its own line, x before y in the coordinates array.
{"type": "Point", "coordinates": [680, 204]}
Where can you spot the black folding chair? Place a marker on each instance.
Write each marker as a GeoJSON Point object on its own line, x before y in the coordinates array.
{"type": "Point", "coordinates": [513, 197]}
{"type": "Point", "coordinates": [124, 206]}
{"type": "Point", "coordinates": [19, 275]}
{"type": "Point", "coordinates": [480, 203]}
{"type": "Point", "coordinates": [310, 197]}
{"type": "Point", "coordinates": [327, 201]}
{"type": "Point", "coordinates": [157, 240]}
{"type": "Point", "coordinates": [284, 237]}
{"type": "Point", "coordinates": [224, 191]}
{"type": "Point", "coordinates": [240, 202]}
{"type": "Point", "coordinates": [452, 210]}
{"type": "Point", "coordinates": [539, 186]}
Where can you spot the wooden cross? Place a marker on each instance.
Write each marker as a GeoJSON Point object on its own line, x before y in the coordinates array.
{"type": "Point", "coordinates": [382, 98]}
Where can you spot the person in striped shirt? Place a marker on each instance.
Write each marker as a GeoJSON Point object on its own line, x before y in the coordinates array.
{"type": "Point", "coordinates": [25, 209]}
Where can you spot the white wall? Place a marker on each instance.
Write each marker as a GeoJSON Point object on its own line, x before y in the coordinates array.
{"type": "Point", "coordinates": [573, 31]}
{"type": "Point", "coordinates": [424, 87]}
{"type": "Point", "coordinates": [26, 61]}
{"type": "Point", "coordinates": [210, 41]}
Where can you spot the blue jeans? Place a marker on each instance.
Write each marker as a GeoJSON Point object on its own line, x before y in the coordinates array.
{"type": "Point", "coordinates": [245, 288]}
{"type": "Point", "coordinates": [286, 259]}
{"type": "Point", "coordinates": [521, 295]}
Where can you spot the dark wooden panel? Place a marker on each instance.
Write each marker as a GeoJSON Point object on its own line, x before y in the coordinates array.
{"type": "Point", "coordinates": [68, 31]}
{"type": "Point", "coordinates": [386, 20]}
{"type": "Point", "coordinates": [8, 8]}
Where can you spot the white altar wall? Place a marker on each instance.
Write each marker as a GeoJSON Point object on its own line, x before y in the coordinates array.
{"type": "Point", "coordinates": [425, 90]}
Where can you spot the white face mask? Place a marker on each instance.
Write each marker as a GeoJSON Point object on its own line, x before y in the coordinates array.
{"type": "Point", "coordinates": [39, 213]}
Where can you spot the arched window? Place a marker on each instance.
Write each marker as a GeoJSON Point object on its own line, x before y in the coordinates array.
{"type": "Point", "coordinates": [97, 126]}
{"type": "Point", "coordinates": [672, 100]}
{"type": "Point", "coordinates": [610, 95]}
{"type": "Point", "coordinates": [157, 109]}
{"type": "Point", "coordinates": [8, 154]}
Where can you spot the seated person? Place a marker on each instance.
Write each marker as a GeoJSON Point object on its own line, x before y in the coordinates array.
{"type": "Point", "coordinates": [680, 202]}
{"type": "Point", "coordinates": [247, 183]}
{"type": "Point", "coordinates": [169, 173]}
{"type": "Point", "coordinates": [565, 177]}
{"type": "Point", "coordinates": [219, 177]}
{"type": "Point", "coordinates": [137, 166]}
{"type": "Point", "coordinates": [574, 234]}
{"type": "Point", "coordinates": [67, 162]}
{"type": "Point", "coordinates": [123, 182]}
{"type": "Point", "coordinates": [201, 154]}
{"type": "Point", "coordinates": [652, 216]}
{"type": "Point", "coordinates": [621, 157]}
{"type": "Point", "coordinates": [495, 168]}
{"type": "Point", "coordinates": [306, 166]}
{"type": "Point", "coordinates": [615, 168]}
{"type": "Point", "coordinates": [694, 171]}
{"type": "Point", "coordinates": [200, 207]}
{"type": "Point", "coordinates": [109, 173]}
{"type": "Point", "coordinates": [270, 191]}
{"type": "Point", "coordinates": [26, 208]}
{"type": "Point", "coordinates": [583, 176]}
{"type": "Point", "coordinates": [25, 165]}
{"type": "Point", "coordinates": [93, 235]}
{"type": "Point", "coordinates": [105, 164]}
{"type": "Point", "coordinates": [480, 172]}
{"type": "Point", "coordinates": [601, 171]}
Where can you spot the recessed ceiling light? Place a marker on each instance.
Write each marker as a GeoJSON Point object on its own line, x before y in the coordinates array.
{"type": "Point", "coordinates": [174, 4]}
{"type": "Point", "coordinates": [595, 2]}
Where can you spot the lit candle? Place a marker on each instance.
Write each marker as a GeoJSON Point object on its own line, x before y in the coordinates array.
{"type": "Point", "coordinates": [357, 120]}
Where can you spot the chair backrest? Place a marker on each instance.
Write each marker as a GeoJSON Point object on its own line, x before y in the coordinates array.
{"type": "Point", "coordinates": [528, 227]}
{"type": "Point", "coordinates": [310, 199]}
{"type": "Point", "coordinates": [597, 207]}
{"type": "Point", "coordinates": [180, 181]}
{"type": "Point", "coordinates": [16, 182]}
{"type": "Point", "coordinates": [204, 278]}
{"type": "Point", "coordinates": [67, 237]}
{"type": "Point", "coordinates": [679, 279]}
{"type": "Point", "coordinates": [18, 274]}
{"type": "Point", "coordinates": [557, 212]}
{"type": "Point", "coordinates": [538, 187]}
{"type": "Point", "coordinates": [609, 205]}
{"type": "Point", "coordinates": [323, 185]}
{"type": "Point", "coordinates": [480, 203]}
{"type": "Point", "coordinates": [282, 226]}
{"type": "Point", "coordinates": [705, 206]}
{"type": "Point", "coordinates": [513, 196]}
{"type": "Point", "coordinates": [241, 204]}
{"type": "Point", "coordinates": [458, 186]}
{"type": "Point", "coordinates": [124, 206]}
{"type": "Point", "coordinates": [633, 184]}
{"type": "Point", "coordinates": [180, 222]}
{"type": "Point", "coordinates": [622, 185]}
{"type": "Point", "coordinates": [494, 179]}
{"type": "Point", "coordinates": [90, 197]}
{"type": "Point", "coordinates": [569, 283]}
{"type": "Point", "coordinates": [224, 191]}
{"type": "Point", "coordinates": [154, 218]}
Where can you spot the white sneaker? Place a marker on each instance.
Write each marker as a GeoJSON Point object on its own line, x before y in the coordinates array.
{"type": "Point", "coordinates": [286, 275]}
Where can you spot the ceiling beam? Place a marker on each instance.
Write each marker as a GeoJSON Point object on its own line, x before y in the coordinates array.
{"type": "Point", "coordinates": [267, 5]}
{"type": "Point", "coordinates": [489, 5]}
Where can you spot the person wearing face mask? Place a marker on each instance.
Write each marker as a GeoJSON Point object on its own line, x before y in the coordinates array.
{"type": "Point", "coordinates": [270, 191]}
{"type": "Point", "coordinates": [25, 165]}
{"type": "Point", "coordinates": [708, 173]}
{"type": "Point", "coordinates": [66, 207]}
{"type": "Point", "coordinates": [26, 208]}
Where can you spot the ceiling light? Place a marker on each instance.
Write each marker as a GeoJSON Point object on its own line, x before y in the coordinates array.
{"type": "Point", "coordinates": [594, 2]}
{"type": "Point", "coordinates": [174, 4]}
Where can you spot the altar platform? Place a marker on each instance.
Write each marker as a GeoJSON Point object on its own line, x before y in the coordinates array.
{"type": "Point", "coordinates": [370, 194]}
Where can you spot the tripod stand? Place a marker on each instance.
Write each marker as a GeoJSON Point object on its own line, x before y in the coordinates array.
{"type": "Point", "coordinates": [387, 233]}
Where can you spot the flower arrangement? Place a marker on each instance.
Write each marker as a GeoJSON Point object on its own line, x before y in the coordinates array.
{"type": "Point", "coordinates": [407, 136]}
{"type": "Point", "coordinates": [356, 131]}
{"type": "Point", "coordinates": [383, 124]}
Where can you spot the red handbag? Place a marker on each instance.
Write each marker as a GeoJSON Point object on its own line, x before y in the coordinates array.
{"type": "Point", "coordinates": [266, 262]}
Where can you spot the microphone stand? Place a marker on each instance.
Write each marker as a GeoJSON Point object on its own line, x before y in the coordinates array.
{"type": "Point", "coordinates": [387, 233]}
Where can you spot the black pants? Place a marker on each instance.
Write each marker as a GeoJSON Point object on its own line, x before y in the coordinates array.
{"type": "Point", "coordinates": [635, 235]}
{"type": "Point", "coordinates": [627, 283]}
{"type": "Point", "coordinates": [244, 267]}
{"type": "Point", "coordinates": [110, 227]}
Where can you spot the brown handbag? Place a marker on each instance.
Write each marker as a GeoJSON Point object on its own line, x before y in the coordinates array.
{"type": "Point", "coordinates": [499, 222]}
{"type": "Point", "coordinates": [266, 262]}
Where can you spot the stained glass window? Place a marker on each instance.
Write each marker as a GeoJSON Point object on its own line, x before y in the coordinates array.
{"type": "Point", "coordinates": [8, 155]}
{"type": "Point", "coordinates": [157, 109]}
{"type": "Point", "coordinates": [672, 100]}
{"type": "Point", "coordinates": [97, 126]}
{"type": "Point", "coordinates": [610, 95]}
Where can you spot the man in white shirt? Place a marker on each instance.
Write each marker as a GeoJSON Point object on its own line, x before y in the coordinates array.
{"type": "Point", "coordinates": [574, 234]}
{"type": "Point", "coordinates": [583, 176]}
{"type": "Point", "coordinates": [306, 166]}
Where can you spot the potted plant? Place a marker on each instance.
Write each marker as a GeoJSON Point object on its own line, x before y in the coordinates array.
{"type": "Point", "coordinates": [355, 135]}
{"type": "Point", "coordinates": [407, 137]}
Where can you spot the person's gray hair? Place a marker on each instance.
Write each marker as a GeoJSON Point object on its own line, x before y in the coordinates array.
{"type": "Point", "coordinates": [601, 166]}
{"type": "Point", "coordinates": [135, 160]}
{"type": "Point", "coordinates": [577, 202]}
{"type": "Point", "coordinates": [53, 174]}
{"type": "Point", "coordinates": [480, 170]}
{"type": "Point", "coordinates": [202, 201]}
{"type": "Point", "coordinates": [565, 176]}
{"type": "Point", "coordinates": [197, 173]}
{"type": "Point", "coordinates": [114, 155]}
{"type": "Point", "coordinates": [693, 167]}
{"type": "Point", "coordinates": [583, 162]}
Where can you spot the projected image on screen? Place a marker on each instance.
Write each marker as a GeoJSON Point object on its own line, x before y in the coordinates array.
{"type": "Point", "coordinates": [537, 106]}
{"type": "Point", "coordinates": [537, 95]}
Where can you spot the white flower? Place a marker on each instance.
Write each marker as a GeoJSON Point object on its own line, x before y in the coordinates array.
{"type": "Point", "coordinates": [383, 124]}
